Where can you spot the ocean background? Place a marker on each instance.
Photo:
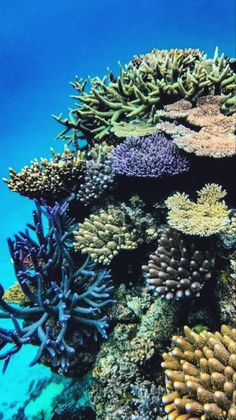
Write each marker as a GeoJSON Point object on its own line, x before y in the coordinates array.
{"type": "Point", "coordinates": [43, 45]}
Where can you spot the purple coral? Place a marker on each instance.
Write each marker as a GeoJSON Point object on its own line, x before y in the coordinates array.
{"type": "Point", "coordinates": [152, 157]}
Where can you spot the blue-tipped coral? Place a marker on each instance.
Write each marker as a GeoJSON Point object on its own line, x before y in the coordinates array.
{"type": "Point", "coordinates": [149, 157]}
{"type": "Point", "coordinates": [62, 296]}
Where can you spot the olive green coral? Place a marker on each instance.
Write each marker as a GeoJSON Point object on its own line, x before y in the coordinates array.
{"type": "Point", "coordinates": [207, 216]}
{"type": "Point", "coordinates": [141, 90]}
{"type": "Point", "coordinates": [105, 234]}
{"type": "Point", "coordinates": [49, 179]}
{"type": "Point", "coordinates": [15, 295]}
{"type": "Point", "coordinates": [201, 376]}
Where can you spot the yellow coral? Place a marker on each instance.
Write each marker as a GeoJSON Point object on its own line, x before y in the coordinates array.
{"type": "Point", "coordinates": [15, 295]}
{"type": "Point", "coordinates": [209, 215]}
{"type": "Point", "coordinates": [201, 373]}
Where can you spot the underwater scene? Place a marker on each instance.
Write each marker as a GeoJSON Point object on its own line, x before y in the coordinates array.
{"type": "Point", "coordinates": [118, 210]}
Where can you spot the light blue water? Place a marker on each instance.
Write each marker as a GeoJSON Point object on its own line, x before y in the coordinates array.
{"type": "Point", "coordinates": [43, 44]}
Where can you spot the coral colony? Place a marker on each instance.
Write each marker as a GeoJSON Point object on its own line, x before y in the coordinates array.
{"type": "Point", "coordinates": [133, 240]}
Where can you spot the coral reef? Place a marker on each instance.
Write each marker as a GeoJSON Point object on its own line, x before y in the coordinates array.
{"type": "Point", "coordinates": [103, 235]}
{"type": "Point", "coordinates": [140, 91]}
{"type": "Point", "coordinates": [15, 295]}
{"type": "Point", "coordinates": [213, 133]}
{"type": "Point", "coordinates": [49, 180]}
{"type": "Point", "coordinates": [228, 235]}
{"type": "Point", "coordinates": [209, 215]}
{"type": "Point", "coordinates": [179, 268]}
{"type": "Point", "coordinates": [200, 373]}
{"type": "Point", "coordinates": [149, 157]}
{"type": "Point", "coordinates": [124, 130]}
{"type": "Point", "coordinates": [99, 177]}
{"type": "Point", "coordinates": [66, 297]}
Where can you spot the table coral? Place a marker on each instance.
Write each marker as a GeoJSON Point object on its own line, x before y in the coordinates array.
{"type": "Point", "coordinates": [207, 216]}
{"type": "Point", "coordinates": [200, 373]}
{"type": "Point", "coordinates": [154, 156]}
{"type": "Point", "coordinates": [50, 180]}
{"type": "Point", "coordinates": [140, 91]}
{"type": "Point", "coordinates": [214, 132]}
{"type": "Point", "coordinates": [179, 268]}
{"type": "Point", "coordinates": [62, 295]}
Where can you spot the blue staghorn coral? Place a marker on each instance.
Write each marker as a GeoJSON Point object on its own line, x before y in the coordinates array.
{"type": "Point", "coordinates": [61, 295]}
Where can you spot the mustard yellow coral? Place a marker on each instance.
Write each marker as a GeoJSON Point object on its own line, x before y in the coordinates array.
{"type": "Point", "coordinates": [207, 216]}
{"type": "Point", "coordinates": [15, 294]}
{"type": "Point", "coordinates": [201, 376]}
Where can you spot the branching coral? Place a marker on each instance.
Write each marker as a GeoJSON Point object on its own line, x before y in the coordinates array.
{"type": "Point", "coordinates": [140, 91]}
{"type": "Point", "coordinates": [179, 268]}
{"type": "Point", "coordinates": [49, 180]}
{"type": "Point", "coordinates": [200, 373]}
{"type": "Point", "coordinates": [209, 215]}
{"type": "Point", "coordinates": [99, 177]}
{"type": "Point", "coordinates": [103, 235]}
{"type": "Point", "coordinates": [149, 157]}
{"type": "Point", "coordinates": [214, 132]}
{"type": "Point", "coordinates": [62, 297]}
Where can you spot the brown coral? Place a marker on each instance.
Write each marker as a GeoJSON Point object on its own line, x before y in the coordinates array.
{"type": "Point", "coordinates": [215, 132]}
{"type": "Point", "coordinates": [201, 376]}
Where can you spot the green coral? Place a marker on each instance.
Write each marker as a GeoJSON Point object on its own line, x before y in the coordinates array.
{"type": "Point", "coordinates": [140, 91]}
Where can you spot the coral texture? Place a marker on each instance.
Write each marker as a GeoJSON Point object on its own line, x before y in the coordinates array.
{"type": "Point", "coordinates": [49, 180]}
{"type": "Point", "coordinates": [140, 91]}
{"type": "Point", "coordinates": [214, 132]}
{"type": "Point", "coordinates": [209, 215]}
{"type": "Point", "coordinates": [140, 129]}
{"type": "Point", "coordinates": [103, 235]}
{"type": "Point", "coordinates": [15, 295]}
{"type": "Point", "coordinates": [200, 373]}
{"type": "Point", "coordinates": [149, 157]}
{"type": "Point", "coordinates": [65, 297]}
{"type": "Point", "coordinates": [228, 235]}
{"type": "Point", "coordinates": [179, 268]}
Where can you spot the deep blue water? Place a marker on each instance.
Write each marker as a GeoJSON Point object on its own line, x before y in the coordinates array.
{"type": "Point", "coordinates": [43, 44]}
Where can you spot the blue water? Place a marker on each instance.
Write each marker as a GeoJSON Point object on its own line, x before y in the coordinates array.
{"type": "Point", "coordinates": [43, 44]}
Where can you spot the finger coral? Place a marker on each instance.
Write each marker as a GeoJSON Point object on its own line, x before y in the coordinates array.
{"type": "Point", "coordinates": [200, 374]}
{"type": "Point", "coordinates": [140, 91]}
{"type": "Point", "coordinates": [214, 132]}
{"type": "Point", "coordinates": [99, 177]}
{"type": "Point", "coordinates": [105, 234]}
{"type": "Point", "coordinates": [179, 268]}
{"type": "Point", "coordinates": [63, 298]}
{"type": "Point", "coordinates": [149, 157]}
{"type": "Point", "coordinates": [54, 179]}
{"type": "Point", "coordinates": [209, 215]}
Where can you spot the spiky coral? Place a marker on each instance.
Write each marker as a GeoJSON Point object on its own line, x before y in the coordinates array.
{"type": "Point", "coordinates": [99, 177]}
{"type": "Point", "coordinates": [149, 157]}
{"type": "Point", "coordinates": [105, 234]}
{"type": "Point", "coordinates": [49, 180]}
{"type": "Point", "coordinates": [200, 373]}
{"type": "Point", "coordinates": [140, 91]}
{"type": "Point", "coordinates": [209, 215]}
{"type": "Point", "coordinates": [62, 296]}
{"type": "Point", "coordinates": [179, 268]}
{"type": "Point", "coordinates": [214, 132]}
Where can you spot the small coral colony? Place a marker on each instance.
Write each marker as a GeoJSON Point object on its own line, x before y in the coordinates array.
{"type": "Point", "coordinates": [133, 240]}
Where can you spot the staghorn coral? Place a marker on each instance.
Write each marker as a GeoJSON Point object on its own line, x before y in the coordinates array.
{"type": "Point", "coordinates": [214, 132]}
{"type": "Point", "coordinates": [64, 298]}
{"type": "Point", "coordinates": [103, 235]}
{"type": "Point", "coordinates": [140, 91]}
{"type": "Point", "coordinates": [149, 157]}
{"type": "Point", "coordinates": [49, 180]}
{"type": "Point", "coordinates": [209, 215]}
{"type": "Point", "coordinates": [200, 373]}
{"type": "Point", "coordinates": [179, 268]}
{"type": "Point", "coordinates": [99, 177]}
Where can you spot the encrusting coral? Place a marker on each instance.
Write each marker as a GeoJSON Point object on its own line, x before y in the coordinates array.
{"type": "Point", "coordinates": [99, 177]}
{"type": "Point", "coordinates": [209, 215]}
{"type": "Point", "coordinates": [105, 234]}
{"type": "Point", "coordinates": [214, 133]}
{"type": "Point", "coordinates": [50, 180]}
{"type": "Point", "coordinates": [15, 295]}
{"type": "Point", "coordinates": [149, 157]}
{"type": "Point", "coordinates": [201, 372]}
{"type": "Point", "coordinates": [140, 91]}
{"type": "Point", "coordinates": [179, 268]}
{"type": "Point", "coordinates": [62, 295]}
